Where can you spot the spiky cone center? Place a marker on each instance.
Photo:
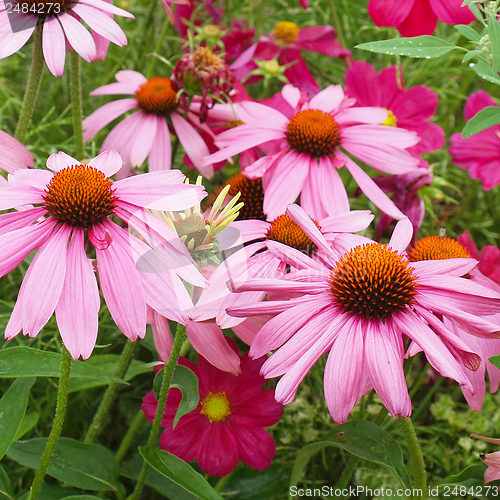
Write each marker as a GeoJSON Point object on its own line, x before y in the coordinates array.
{"type": "Point", "coordinates": [285, 33]}
{"type": "Point", "coordinates": [205, 60]}
{"type": "Point", "coordinates": [157, 96]}
{"type": "Point", "coordinates": [373, 282]}
{"type": "Point", "coordinates": [252, 195]}
{"type": "Point", "coordinates": [80, 195]}
{"type": "Point", "coordinates": [284, 230]}
{"type": "Point", "coordinates": [314, 132]}
{"type": "Point", "coordinates": [43, 8]}
{"type": "Point", "coordinates": [437, 248]}
{"type": "Point", "coordinates": [216, 407]}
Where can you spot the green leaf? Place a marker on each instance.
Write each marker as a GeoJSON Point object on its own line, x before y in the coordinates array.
{"type": "Point", "coordinates": [494, 36]}
{"type": "Point", "coordinates": [179, 472]}
{"type": "Point", "coordinates": [486, 72]}
{"type": "Point", "coordinates": [486, 118]}
{"type": "Point", "coordinates": [12, 409]}
{"type": "Point", "coordinates": [471, 476]}
{"type": "Point", "coordinates": [425, 46]}
{"type": "Point", "coordinates": [495, 360]}
{"type": "Point", "coordinates": [29, 421]}
{"type": "Point", "coordinates": [82, 465]}
{"type": "Point", "coordinates": [471, 55]}
{"type": "Point", "coordinates": [53, 492]}
{"type": "Point", "coordinates": [82, 497]}
{"type": "Point", "coordinates": [363, 439]}
{"type": "Point", "coordinates": [468, 32]}
{"type": "Point", "coordinates": [5, 487]}
{"type": "Point", "coordinates": [186, 381]}
{"type": "Point", "coordinates": [23, 362]}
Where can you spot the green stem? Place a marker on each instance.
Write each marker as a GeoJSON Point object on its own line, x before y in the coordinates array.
{"type": "Point", "coordinates": [221, 483]}
{"type": "Point", "coordinates": [158, 45]}
{"type": "Point", "coordinates": [32, 87]}
{"type": "Point", "coordinates": [101, 415]}
{"type": "Point", "coordinates": [136, 425]}
{"type": "Point", "coordinates": [425, 401]}
{"type": "Point", "coordinates": [337, 24]}
{"type": "Point", "coordinates": [345, 477]}
{"type": "Point", "coordinates": [55, 432]}
{"type": "Point", "coordinates": [76, 102]}
{"type": "Point", "coordinates": [416, 458]}
{"type": "Point", "coordinates": [168, 372]}
{"type": "Point", "coordinates": [260, 18]}
{"type": "Point", "coordinates": [416, 386]}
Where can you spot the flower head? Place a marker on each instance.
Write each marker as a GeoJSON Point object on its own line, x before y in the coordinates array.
{"type": "Point", "coordinates": [61, 24]}
{"type": "Point", "coordinates": [68, 210]}
{"type": "Point", "coordinates": [146, 133]}
{"type": "Point", "coordinates": [228, 423]}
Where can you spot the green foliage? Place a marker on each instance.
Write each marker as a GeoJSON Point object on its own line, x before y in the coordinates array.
{"type": "Point", "coordinates": [424, 47]}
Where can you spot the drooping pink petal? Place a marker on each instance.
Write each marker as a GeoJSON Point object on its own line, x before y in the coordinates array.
{"type": "Point", "coordinates": [78, 37]}
{"type": "Point", "coordinates": [160, 156]}
{"type": "Point", "coordinates": [54, 46]}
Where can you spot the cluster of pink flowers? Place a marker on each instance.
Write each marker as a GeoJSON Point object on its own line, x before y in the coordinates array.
{"type": "Point", "coordinates": [291, 276]}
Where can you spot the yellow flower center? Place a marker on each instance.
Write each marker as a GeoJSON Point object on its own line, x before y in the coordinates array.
{"type": "Point", "coordinates": [391, 120]}
{"type": "Point", "coordinates": [216, 407]}
{"type": "Point", "coordinates": [373, 281]}
{"type": "Point", "coordinates": [157, 95]}
{"type": "Point", "coordinates": [285, 33]}
{"type": "Point", "coordinates": [80, 195]}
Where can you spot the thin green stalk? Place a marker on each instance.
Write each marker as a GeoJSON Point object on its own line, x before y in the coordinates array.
{"type": "Point", "coordinates": [345, 477]}
{"type": "Point", "coordinates": [221, 483]}
{"type": "Point", "coordinates": [416, 386]}
{"type": "Point", "coordinates": [168, 371]}
{"type": "Point", "coordinates": [55, 432]}
{"type": "Point", "coordinates": [260, 18]}
{"type": "Point", "coordinates": [76, 102]}
{"type": "Point", "coordinates": [101, 416]}
{"type": "Point", "coordinates": [337, 24]}
{"type": "Point", "coordinates": [136, 425]}
{"type": "Point", "coordinates": [158, 45]}
{"type": "Point", "coordinates": [32, 87]}
{"type": "Point", "coordinates": [416, 458]}
{"type": "Point", "coordinates": [425, 401]}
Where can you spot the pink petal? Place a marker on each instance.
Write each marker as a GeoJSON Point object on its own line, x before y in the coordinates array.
{"type": "Point", "coordinates": [78, 37]}
{"type": "Point", "coordinates": [160, 156]}
{"type": "Point", "coordinates": [54, 46]}
{"type": "Point", "coordinates": [108, 162]}
{"type": "Point", "coordinates": [59, 161]}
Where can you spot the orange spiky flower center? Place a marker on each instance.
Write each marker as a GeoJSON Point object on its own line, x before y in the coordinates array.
{"type": "Point", "coordinates": [313, 132]}
{"type": "Point", "coordinates": [284, 230]}
{"type": "Point", "coordinates": [373, 281]}
{"type": "Point", "coordinates": [157, 95]}
{"type": "Point", "coordinates": [216, 407]}
{"type": "Point", "coordinates": [285, 33]}
{"type": "Point", "coordinates": [437, 248]}
{"type": "Point", "coordinates": [80, 195]}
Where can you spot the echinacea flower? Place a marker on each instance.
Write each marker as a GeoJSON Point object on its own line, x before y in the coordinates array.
{"type": "Point", "coordinates": [418, 17]}
{"type": "Point", "coordinates": [285, 44]}
{"type": "Point", "coordinates": [308, 145]}
{"type": "Point", "coordinates": [480, 153]}
{"type": "Point", "coordinates": [61, 26]}
{"type": "Point", "coordinates": [146, 133]}
{"type": "Point", "coordinates": [228, 423]}
{"type": "Point", "coordinates": [358, 305]}
{"type": "Point", "coordinates": [13, 154]}
{"type": "Point", "coordinates": [445, 247]}
{"type": "Point", "coordinates": [491, 460]}
{"type": "Point", "coordinates": [489, 258]}
{"type": "Point", "coordinates": [69, 211]}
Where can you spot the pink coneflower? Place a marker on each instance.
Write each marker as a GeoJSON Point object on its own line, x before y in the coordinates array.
{"type": "Point", "coordinates": [62, 26]}
{"type": "Point", "coordinates": [13, 154]}
{"type": "Point", "coordinates": [146, 133]}
{"type": "Point", "coordinates": [70, 211]}
{"type": "Point", "coordinates": [310, 142]}
{"type": "Point", "coordinates": [418, 17]}
{"type": "Point", "coordinates": [491, 460]}
{"type": "Point", "coordinates": [285, 44]}
{"type": "Point", "coordinates": [489, 259]}
{"type": "Point", "coordinates": [480, 153]}
{"type": "Point", "coordinates": [228, 423]}
{"type": "Point", "coordinates": [359, 307]}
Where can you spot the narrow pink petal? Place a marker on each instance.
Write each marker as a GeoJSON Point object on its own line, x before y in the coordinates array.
{"type": "Point", "coordinates": [54, 46]}
{"type": "Point", "coordinates": [107, 7]}
{"type": "Point", "coordinates": [454, 267]}
{"type": "Point", "coordinates": [160, 156]}
{"type": "Point", "coordinates": [18, 220]}
{"type": "Point", "coordinates": [120, 282]}
{"type": "Point", "coordinates": [291, 95]}
{"type": "Point", "coordinates": [131, 77]}
{"type": "Point", "coordinates": [13, 197]}
{"type": "Point", "coordinates": [78, 37]}
{"type": "Point", "coordinates": [402, 234]}
{"type": "Point", "coordinates": [45, 282]}
{"type": "Point", "coordinates": [108, 162]}
{"type": "Point", "coordinates": [78, 307]}
{"type": "Point", "coordinates": [13, 154]}
{"type": "Point", "coordinates": [58, 161]}
{"type": "Point", "coordinates": [328, 100]}
{"type": "Point", "coordinates": [162, 336]}
{"type": "Point", "coordinates": [357, 115]}
{"type": "Point", "coordinates": [12, 42]}
{"type": "Point", "coordinates": [347, 222]}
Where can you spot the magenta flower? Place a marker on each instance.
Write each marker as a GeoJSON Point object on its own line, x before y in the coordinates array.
{"type": "Point", "coordinates": [146, 133]}
{"type": "Point", "coordinates": [62, 26]}
{"type": "Point", "coordinates": [489, 259]}
{"type": "Point", "coordinates": [480, 153]}
{"type": "Point", "coordinates": [13, 154]}
{"type": "Point", "coordinates": [308, 147]}
{"type": "Point", "coordinates": [69, 210]}
{"type": "Point", "coordinates": [418, 17]}
{"type": "Point", "coordinates": [227, 425]}
{"type": "Point", "coordinates": [359, 307]}
{"type": "Point", "coordinates": [285, 44]}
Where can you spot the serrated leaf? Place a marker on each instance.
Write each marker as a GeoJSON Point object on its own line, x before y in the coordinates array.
{"type": "Point", "coordinates": [179, 472]}
{"type": "Point", "coordinates": [12, 409]}
{"type": "Point", "coordinates": [487, 117]}
{"type": "Point", "coordinates": [186, 381]}
{"type": "Point", "coordinates": [425, 46]}
{"type": "Point", "coordinates": [363, 439]}
{"type": "Point", "coordinates": [468, 32]}
{"type": "Point", "coordinates": [82, 465]}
